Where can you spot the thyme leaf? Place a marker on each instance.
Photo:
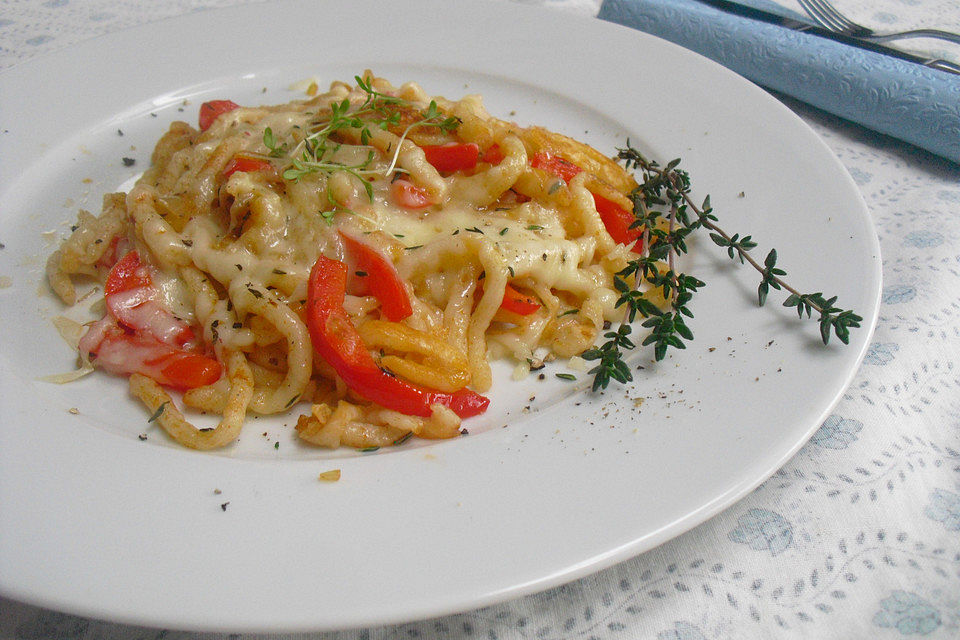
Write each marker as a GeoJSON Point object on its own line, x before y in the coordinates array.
{"type": "Point", "coordinates": [158, 412]}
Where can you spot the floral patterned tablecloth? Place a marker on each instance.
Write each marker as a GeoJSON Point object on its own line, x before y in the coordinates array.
{"type": "Point", "coordinates": [858, 536]}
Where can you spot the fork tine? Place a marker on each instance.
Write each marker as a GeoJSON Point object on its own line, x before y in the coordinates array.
{"type": "Point", "coordinates": [815, 11]}
{"type": "Point", "coordinates": [831, 12]}
{"type": "Point", "coordinates": [824, 14]}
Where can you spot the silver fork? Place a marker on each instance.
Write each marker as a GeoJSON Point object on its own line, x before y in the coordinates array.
{"type": "Point", "coordinates": [828, 17]}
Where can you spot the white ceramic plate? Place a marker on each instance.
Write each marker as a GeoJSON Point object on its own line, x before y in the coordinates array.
{"type": "Point", "coordinates": [96, 521]}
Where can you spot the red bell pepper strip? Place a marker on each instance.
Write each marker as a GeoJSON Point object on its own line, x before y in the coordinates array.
{"type": "Point", "coordinates": [132, 299]}
{"type": "Point", "coordinates": [210, 111]}
{"type": "Point", "coordinates": [187, 370]}
{"type": "Point", "coordinates": [120, 351]}
{"type": "Point", "coordinates": [616, 219]}
{"type": "Point", "coordinates": [382, 280]}
{"type": "Point", "coordinates": [493, 155]}
{"type": "Point", "coordinates": [245, 164]}
{"type": "Point", "coordinates": [337, 341]}
{"type": "Point", "coordinates": [139, 335]}
{"type": "Point", "coordinates": [455, 156]}
{"type": "Point", "coordinates": [517, 302]}
{"type": "Point", "coordinates": [127, 273]}
{"type": "Point", "coordinates": [555, 165]}
{"type": "Point", "coordinates": [409, 195]}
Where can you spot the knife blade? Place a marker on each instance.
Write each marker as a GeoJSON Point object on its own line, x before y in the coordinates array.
{"type": "Point", "coordinates": [793, 24]}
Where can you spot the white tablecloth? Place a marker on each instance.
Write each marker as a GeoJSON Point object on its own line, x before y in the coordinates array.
{"type": "Point", "coordinates": [858, 536]}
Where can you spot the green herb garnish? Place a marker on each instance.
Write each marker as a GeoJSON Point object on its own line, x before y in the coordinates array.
{"type": "Point", "coordinates": [314, 153]}
{"type": "Point", "coordinates": [158, 412]}
{"type": "Point", "coordinates": [666, 212]}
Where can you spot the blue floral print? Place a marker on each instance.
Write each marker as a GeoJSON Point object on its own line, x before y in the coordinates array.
{"type": "Point", "coordinates": [880, 353]}
{"type": "Point", "coordinates": [763, 530]}
{"type": "Point", "coordinates": [837, 433]}
{"type": "Point", "coordinates": [38, 40]}
{"type": "Point", "coordinates": [681, 631]}
{"type": "Point", "coordinates": [860, 176]}
{"type": "Point", "coordinates": [898, 294]}
{"type": "Point", "coordinates": [923, 239]}
{"type": "Point", "coordinates": [908, 613]}
{"type": "Point", "coordinates": [944, 507]}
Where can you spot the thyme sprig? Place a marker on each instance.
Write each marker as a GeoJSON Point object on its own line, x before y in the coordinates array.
{"type": "Point", "coordinates": [315, 152]}
{"type": "Point", "coordinates": [667, 213]}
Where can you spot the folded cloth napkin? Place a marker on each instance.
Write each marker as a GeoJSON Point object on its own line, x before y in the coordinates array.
{"type": "Point", "coordinates": [896, 97]}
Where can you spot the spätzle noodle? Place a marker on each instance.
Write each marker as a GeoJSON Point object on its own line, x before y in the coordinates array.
{"type": "Point", "coordinates": [362, 252]}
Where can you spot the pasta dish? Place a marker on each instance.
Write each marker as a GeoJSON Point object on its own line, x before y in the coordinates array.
{"type": "Point", "coordinates": [356, 257]}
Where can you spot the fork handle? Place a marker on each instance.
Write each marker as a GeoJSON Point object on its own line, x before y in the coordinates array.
{"type": "Point", "coordinates": [915, 33]}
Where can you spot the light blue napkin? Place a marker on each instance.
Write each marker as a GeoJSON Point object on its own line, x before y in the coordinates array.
{"type": "Point", "coordinates": [892, 96]}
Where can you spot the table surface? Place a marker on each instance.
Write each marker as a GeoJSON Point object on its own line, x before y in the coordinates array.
{"type": "Point", "coordinates": [857, 536]}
